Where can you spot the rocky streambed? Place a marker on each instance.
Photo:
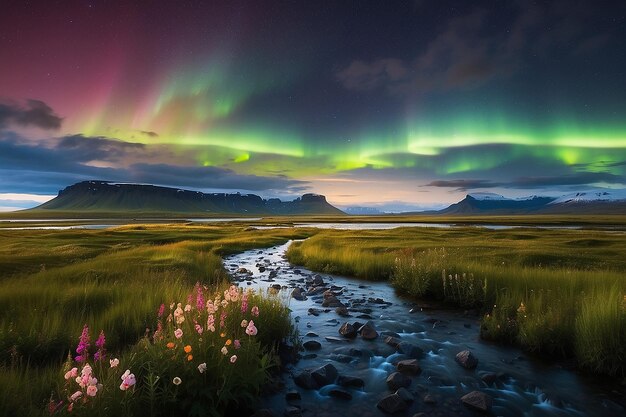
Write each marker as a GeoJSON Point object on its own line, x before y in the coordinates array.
{"type": "Point", "coordinates": [370, 352]}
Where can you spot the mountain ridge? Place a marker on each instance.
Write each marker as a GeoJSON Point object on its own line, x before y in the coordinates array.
{"type": "Point", "coordinates": [98, 196]}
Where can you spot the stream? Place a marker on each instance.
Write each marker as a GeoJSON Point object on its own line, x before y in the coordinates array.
{"type": "Point", "coordinates": [518, 384]}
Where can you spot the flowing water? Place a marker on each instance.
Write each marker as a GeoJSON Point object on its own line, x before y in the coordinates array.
{"type": "Point", "coordinates": [523, 385]}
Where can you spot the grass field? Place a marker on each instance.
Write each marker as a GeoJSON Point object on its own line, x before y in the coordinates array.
{"type": "Point", "coordinates": [52, 283]}
{"type": "Point", "coordinates": [560, 292]}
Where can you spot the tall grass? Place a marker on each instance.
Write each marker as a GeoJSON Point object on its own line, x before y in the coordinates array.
{"type": "Point", "coordinates": [544, 297]}
{"type": "Point", "coordinates": [114, 280]}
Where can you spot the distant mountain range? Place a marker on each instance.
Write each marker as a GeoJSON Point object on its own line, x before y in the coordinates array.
{"type": "Point", "coordinates": [589, 202]}
{"type": "Point", "coordinates": [104, 196]}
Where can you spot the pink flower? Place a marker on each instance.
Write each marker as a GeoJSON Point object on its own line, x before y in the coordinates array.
{"type": "Point", "coordinates": [114, 362]}
{"type": "Point", "coordinates": [100, 345]}
{"type": "Point", "coordinates": [244, 303]}
{"type": "Point", "coordinates": [199, 329]}
{"type": "Point", "coordinates": [92, 390]}
{"type": "Point", "coordinates": [128, 380]}
{"type": "Point", "coordinates": [233, 359]}
{"type": "Point", "coordinates": [161, 311]}
{"type": "Point", "coordinates": [188, 308]}
{"type": "Point", "coordinates": [76, 396]}
{"type": "Point", "coordinates": [244, 323]}
{"type": "Point", "coordinates": [237, 344]}
{"type": "Point", "coordinates": [83, 346]}
{"type": "Point", "coordinates": [178, 333]}
{"type": "Point", "coordinates": [71, 374]}
{"type": "Point", "coordinates": [251, 330]}
{"type": "Point", "coordinates": [255, 311]}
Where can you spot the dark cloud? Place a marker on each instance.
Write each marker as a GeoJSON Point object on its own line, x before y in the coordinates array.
{"type": "Point", "coordinates": [149, 133]}
{"type": "Point", "coordinates": [32, 168]}
{"type": "Point", "coordinates": [34, 113]}
{"type": "Point", "coordinates": [469, 51]}
{"type": "Point", "coordinates": [462, 185]}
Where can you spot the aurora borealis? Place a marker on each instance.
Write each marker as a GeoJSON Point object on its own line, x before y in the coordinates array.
{"type": "Point", "coordinates": [398, 106]}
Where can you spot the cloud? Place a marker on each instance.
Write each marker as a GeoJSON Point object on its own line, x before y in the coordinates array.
{"type": "Point", "coordinates": [462, 185]}
{"type": "Point", "coordinates": [473, 49]}
{"type": "Point", "coordinates": [149, 133]}
{"type": "Point", "coordinates": [34, 113]}
{"type": "Point", "coordinates": [29, 168]}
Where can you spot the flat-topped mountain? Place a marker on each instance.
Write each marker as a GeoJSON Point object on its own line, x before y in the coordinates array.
{"type": "Point", "coordinates": [104, 196]}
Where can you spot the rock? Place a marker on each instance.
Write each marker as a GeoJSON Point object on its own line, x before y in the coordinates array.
{"type": "Point", "coordinates": [342, 311]}
{"type": "Point", "coordinates": [350, 381]}
{"type": "Point", "coordinates": [293, 412]}
{"type": "Point", "coordinates": [341, 358]}
{"type": "Point", "coordinates": [277, 287]}
{"type": "Point", "coordinates": [347, 330]}
{"type": "Point", "coordinates": [311, 334]}
{"type": "Point", "coordinates": [429, 399]}
{"type": "Point", "coordinates": [261, 269]}
{"type": "Point", "coordinates": [243, 271]}
{"type": "Point", "coordinates": [368, 331]}
{"type": "Point", "coordinates": [314, 312]}
{"type": "Point", "coordinates": [411, 350]}
{"type": "Point", "coordinates": [478, 401]}
{"type": "Point", "coordinates": [341, 394]}
{"type": "Point", "coordinates": [318, 280]}
{"type": "Point", "coordinates": [287, 353]}
{"type": "Point", "coordinates": [272, 274]}
{"type": "Point", "coordinates": [293, 396]}
{"type": "Point", "coordinates": [305, 380]}
{"type": "Point", "coordinates": [325, 375]}
{"type": "Point", "coordinates": [264, 412]}
{"type": "Point", "coordinates": [409, 366]}
{"type": "Point", "coordinates": [396, 380]}
{"type": "Point", "coordinates": [312, 345]}
{"type": "Point", "coordinates": [489, 378]}
{"type": "Point", "coordinates": [335, 339]}
{"type": "Point", "coordinates": [331, 302]}
{"type": "Point", "coordinates": [405, 395]}
{"type": "Point", "coordinates": [392, 341]}
{"type": "Point", "coordinates": [297, 294]}
{"type": "Point", "coordinates": [392, 403]}
{"type": "Point", "coordinates": [466, 359]}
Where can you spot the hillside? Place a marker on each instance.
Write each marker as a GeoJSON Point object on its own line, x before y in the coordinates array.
{"type": "Point", "coordinates": [103, 196]}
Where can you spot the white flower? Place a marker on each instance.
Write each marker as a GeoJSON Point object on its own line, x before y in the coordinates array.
{"type": "Point", "coordinates": [202, 368]}
{"type": "Point", "coordinates": [114, 362]}
{"type": "Point", "coordinates": [176, 381]}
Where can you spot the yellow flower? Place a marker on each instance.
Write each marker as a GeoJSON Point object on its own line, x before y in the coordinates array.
{"type": "Point", "coordinates": [189, 357]}
{"type": "Point", "coordinates": [229, 342]}
{"type": "Point", "coordinates": [187, 349]}
{"type": "Point", "coordinates": [222, 334]}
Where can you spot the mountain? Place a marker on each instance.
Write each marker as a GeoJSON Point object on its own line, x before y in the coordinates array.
{"type": "Point", "coordinates": [589, 202]}
{"type": "Point", "coordinates": [104, 196]}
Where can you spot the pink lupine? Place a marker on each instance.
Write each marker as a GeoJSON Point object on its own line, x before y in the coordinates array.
{"type": "Point", "coordinates": [199, 329]}
{"type": "Point", "coordinates": [236, 343]}
{"type": "Point", "coordinates": [255, 311]}
{"type": "Point", "coordinates": [100, 342]}
{"type": "Point", "coordinates": [178, 333]}
{"type": "Point", "coordinates": [244, 303]}
{"type": "Point", "coordinates": [83, 346]}
{"type": "Point", "coordinates": [199, 298]}
{"type": "Point", "coordinates": [161, 311]}
{"type": "Point", "coordinates": [76, 396]}
{"type": "Point", "coordinates": [222, 319]}
{"type": "Point", "coordinates": [71, 374]}
{"type": "Point", "coordinates": [251, 330]}
{"type": "Point", "coordinates": [210, 323]}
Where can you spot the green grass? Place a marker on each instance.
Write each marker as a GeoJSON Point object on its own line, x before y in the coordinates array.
{"type": "Point", "coordinates": [53, 282]}
{"type": "Point", "coordinates": [559, 292]}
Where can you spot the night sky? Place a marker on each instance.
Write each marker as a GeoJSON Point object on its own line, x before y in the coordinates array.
{"type": "Point", "coordinates": [398, 105]}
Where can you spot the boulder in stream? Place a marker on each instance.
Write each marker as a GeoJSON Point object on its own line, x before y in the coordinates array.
{"type": "Point", "coordinates": [392, 404]}
{"type": "Point", "coordinates": [347, 330]}
{"type": "Point", "coordinates": [409, 366]}
{"type": "Point", "coordinates": [397, 380]}
{"type": "Point", "coordinates": [368, 331]}
{"type": "Point", "coordinates": [325, 375]}
{"type": "Point", "coordinates": [466, 359]}
{"type": "Point", "coordinates": [478, 401]}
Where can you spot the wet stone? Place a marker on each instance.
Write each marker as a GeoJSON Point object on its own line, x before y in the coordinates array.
{"type": "Point", "coordinates": [305, 380]}
{"type": "Point", "coordinates": [387, 333]}
{"type": "Point", "coordinates": [341, 358]}
{"type": "Point", "coordinates": [430, 399]}
{"type": "Point", "coordinates": [405, 395]}
{"type": "Point", "coordinates": [392, 341]}
{"type": "Point", "coordinates": [478, 401]}
{"type": "Point", "coordinates": [325, 375]}
{"type": "Point", "coordinates": [341, 394]}
{"type": "Point", "coordinates": [276, 286]}
{"type": "Point", "coordinates": [409, 349]}
{"type": "Point", "coordinates": [350, 381]}
{"type": "Point", "coordinates": [409, 366]}
{"type": "Point", "coordinates": [466, 359]}
{"type": "Point", "coordinates": [342, 311]}
{"type": "Point", "coordinates": [396, 380]}
{"type": "Point", "coordinates": [297, 294]}
{"type": "Point", "coordinates": [314, 312]}
{"type": "Point", "coordinates": [489, 378]}
{"type": "Point", "coordinates": [347, 330]}
{"type": "Point", "coordinates": [368, 331]}
{"type": "Point", "coordinates": [392, 403]}
{"type": "Point", "coordinates": [312, 345]}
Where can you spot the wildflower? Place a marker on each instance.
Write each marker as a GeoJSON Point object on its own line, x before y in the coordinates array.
{"type": "Point", "coordinates": [255, 311]}
{"type": "Point", "coordinates": [233, 359]}
{"type": "Point", "coordinates": [76, 396]}
{"type": "Point", "coordinates": [210, 323]}
{"type": "Point", "coordinates": [244, 303]}
{"type": "Point", "coordinates": [251, 330]}
{"type": "Point", "coordinates": [224, 303]}
{"type": "Point", "coordinates": [187, 348]}
{"type": "Point", "coordinates": [176, 380]}
{"type": "Point", "coordinates": [229, 342]}
{"type": "Point", "coordinates": [189, 358]}
{"type": "Point", "coordinates": [522, 308]}
{"type": "Point", "coordinates": [170, 345]}
{"type": "Point", "coordinates": [244, 323]}
{"type": "Point", "coordinates": [92, 390]}
{"type": "Point", "coordinates": [172, 306]}
{"type": "Point", "coordinates": [210, 307]}
{"type": "Point", "coordinates": [114, 362]}
{"type": "Point", "coordinates": [222, 334]}
{"type": "Point", "coordinates": [237, 344]}
{"type": "Point", "coordinates": [71, 374]}
{"type": "Point", "coordinates": [224, 351]}
{"type": "Point", "coordinates": [199, 297]}
{"type": "Point", "coordinates": [178, 333]}
{"type": "Point", "coordinates": [128, 380]}
{"type": "Point", "coordinates": [83, 346]}
{"type": "Point", "coordinates": [70, 407]}
{"type": "Point", "coordinates": [222, 319]}
{"type": "Point", "coordinates": [161, 311]}
{"type": "Point", "coordinates": [99, 355]}
{"type": "Point", "coordinates": [179, 315]}
{"type": "Point", "coordinates": [202, 367]}
{"type": "Point", "coordinates": [188, 308]}
{"type": "Point", "coordinates": [199, 329]}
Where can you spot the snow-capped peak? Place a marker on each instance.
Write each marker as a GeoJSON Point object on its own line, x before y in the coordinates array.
{"type": "Point", "coordinates": [595, 195]}
{"type": "Point", "coordinates": [487, 196]}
